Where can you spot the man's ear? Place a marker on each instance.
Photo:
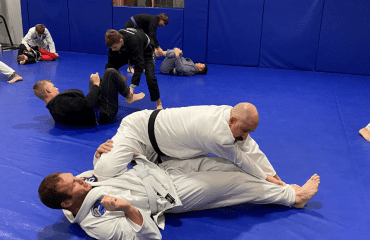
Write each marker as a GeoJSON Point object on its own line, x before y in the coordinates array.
{"type": "Point", "coordinates": [232, 120]}
{"type": "Point", "coordinates": [48, 90]}
{"type": "Point", "coordinates": [66, 203]}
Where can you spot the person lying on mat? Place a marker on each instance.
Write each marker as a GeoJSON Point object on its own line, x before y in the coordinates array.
{"type": "Point", "coordinates": [176, 64]}
{"type": "Point", "coordinates": [100, 105]}
{"type": "Point", "coordinates": [33, 55]}
{"type": "Point", "coordinates": [193, 131]}
{"type": "Point", "coordinates": [131, 205]}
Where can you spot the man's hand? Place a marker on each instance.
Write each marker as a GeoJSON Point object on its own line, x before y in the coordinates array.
{"type": "Point", "coordinates": [28, 49]}
{"type": "Point", "coordinates": [104, 148]}
{"type": "Point", "coordinates": [177, 52]}
{"type": "Point", "coordinates": [274, 180]}
{"type": "Point", "coordinates": [95, 79]}
{"type": "Point", "coordinates": [115, 204]}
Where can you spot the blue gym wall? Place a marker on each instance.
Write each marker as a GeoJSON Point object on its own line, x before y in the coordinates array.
{"type": "Point", "coordinates": [314, 35]}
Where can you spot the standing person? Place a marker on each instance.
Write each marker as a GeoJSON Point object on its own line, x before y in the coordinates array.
{"type": "Point", "coordinates": [10, 73]}
{"type": "Point", "coordinates": [71, 107]}
{"type": "Point", "coordinates": [149, 23]}
{"type": "Point", "coordinates": [41, 37]}
{"type": "Point", "coordinates": [176, 64]}
{"type": "Point", "coordinates": [133, 45]}
{"type": "Point", "coordinates": [132, 204]}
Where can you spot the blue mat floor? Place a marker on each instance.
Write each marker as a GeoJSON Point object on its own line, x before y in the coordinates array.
{"type": "Point", "coordinates": [309, 123]}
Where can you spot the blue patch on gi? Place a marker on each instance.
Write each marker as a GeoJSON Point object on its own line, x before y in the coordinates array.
{"type": "Point", "coordinates": [91, 179]}
{"type": "Point", "coordinates": [98, 209]}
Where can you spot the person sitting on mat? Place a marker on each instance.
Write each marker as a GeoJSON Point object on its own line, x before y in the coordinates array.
{"type": "Point", "coordinates": [176, 64]}
{"type": "Point", "coordinates": [100, 105]}
{"type": "Point", "coordinates": [132, 203]}
{"type": "Point", "coordinates": [33, 55]}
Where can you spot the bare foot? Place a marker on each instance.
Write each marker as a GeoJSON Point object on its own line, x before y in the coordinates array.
{"type": "Point", "coordinates": [307, 191]}
{"type": "Point", "coordinates": [15, 78]}
{"type": "Point", "coordinates": [365, 133]}
{"type": "Point", "coordinates": [295, 187]}
{"type": "Point", "coordinates": [134, 97]}
{"type": "Point", "coordinates": [130, 70]}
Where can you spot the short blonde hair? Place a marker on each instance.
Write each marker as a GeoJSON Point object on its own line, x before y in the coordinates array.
{"type": "Point", "coordinates": [39, 88]}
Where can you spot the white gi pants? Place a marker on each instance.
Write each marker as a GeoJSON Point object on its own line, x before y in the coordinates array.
{"type": "Point", "coordinates": [6, 70]}
{"type": "Point", "coordinates": [212, 182]}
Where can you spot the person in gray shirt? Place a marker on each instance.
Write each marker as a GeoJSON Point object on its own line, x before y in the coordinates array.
{"type": "Point", "coordinates": [176, 64]}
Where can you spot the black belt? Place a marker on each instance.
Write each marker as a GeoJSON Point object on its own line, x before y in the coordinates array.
{"type": "Point", "coordinates": [152, 118]}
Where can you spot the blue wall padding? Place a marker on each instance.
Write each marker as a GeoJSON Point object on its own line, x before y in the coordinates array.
{"type": "Point", "coordinates": [89, 20]}
{"type": "Point", "coordinates": [169, 36]}
{"type": "Point", "coordinates": [290, 34]}
{"type": "Point", "coordinates": [54, 15]}
{"type": "Point", "coordinates": [345, 37]}
{"type": "Point", "coordinates": [195, 30]}
{"type": "Point", "coordinates": [25, 18]}
{"type": "Point", "coordinates": [234, 32]}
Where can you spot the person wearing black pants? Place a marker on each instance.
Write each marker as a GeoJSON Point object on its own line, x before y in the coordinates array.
{"type": "Point", "coordinates": [72, 107]}
{"type": "Point", "coordinates": [133, 45]}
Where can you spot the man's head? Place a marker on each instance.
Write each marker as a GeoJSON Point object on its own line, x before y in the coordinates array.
{"type": "Point", "coordinates": [162, 19]}
{"type": "Point", "coordinates": [113, 39]}
{"type": "Point", "coordinates": [45, 90]}
{"type": "Point", "coordinates": [243, 120]}
{"type": "Point", "coordinates": [40, 29]}
{"type": "Point", "coordinates": [21, 58]}
{"type": "Point", "coordinates": [63, 190]}
{"type": "Point", "coordinates": [201, 68]}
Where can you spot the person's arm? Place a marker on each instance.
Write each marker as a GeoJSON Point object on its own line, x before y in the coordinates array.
{"type": "Point", "coordinates": [94, 90]}
{"type": "Point", "coordinates": [28, 38]}
{"type": "Point", "coordinates": [49, 41]}
{"type": "Point", "coordinates": [153, 31]}
{"type": "Point", "coordinates": [137, 57]}
{"type": "Point", "coordinates": [185, 67]}
{"type": "Point", "coordinates": [115, 204]}
{"type": "Point", "coordinates": [116, 59]}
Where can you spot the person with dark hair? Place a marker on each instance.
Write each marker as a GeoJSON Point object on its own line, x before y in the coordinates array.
{"type": "Point", "coordinates": [100, 105]}
{"type": "Point", "coordinates": [149, 23]}
{"type": "Point", "coordinates": [34, 55]}
{"type": "Point", "coordinates": [132, 203]}
{"type": "Point", "coordinates": [133, 45]}
{"type": "Point", "coordinates": [176, 64]}
{"type": "Point", "coordinates": [10, 73]}
{"type": "Point", "coordinates": [41, 37]}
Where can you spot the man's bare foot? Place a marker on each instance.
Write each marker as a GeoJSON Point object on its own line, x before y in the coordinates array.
{"type": "Point", "coordinates": [295, 187]}
{"type": "Point", "coordinates": [15, 78]}
{"type": "Point", "coordinates": [365, 133]}
{"type": "Point", "coordinates": [307, 191]}
{"type": "Point", "coordinates": [134, 97]}
{"type": "Point", "coordinates": [130, 70]}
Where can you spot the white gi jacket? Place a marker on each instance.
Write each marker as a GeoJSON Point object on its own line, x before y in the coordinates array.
{"type": "Point", "coordinates": [129, 186]}
{"type": "Point", "coordinates": [33, 39]}
{"type": "Point", "coordinates": [194, 131]}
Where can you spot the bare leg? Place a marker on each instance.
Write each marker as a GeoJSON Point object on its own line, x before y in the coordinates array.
{"type": "Point", "coordinates": [159, 104]}
{"type": "Point", "coordinates": [15, 78]}
{"type": "Point", "coordinates": [365, 133]}
{"type": "Point", "coordinates": [134, 97]}
{"type": "Point", "coordinates": [307, 191]}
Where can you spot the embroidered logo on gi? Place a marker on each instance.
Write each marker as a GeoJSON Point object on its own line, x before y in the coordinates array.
{"type": "Point", "coordinates": [98, 209]}
{"type": "Point", "coordinates": [91, 179]}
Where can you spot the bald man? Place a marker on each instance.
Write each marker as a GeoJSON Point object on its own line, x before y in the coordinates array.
{"type": "Point", "coordinates": [188, 132]}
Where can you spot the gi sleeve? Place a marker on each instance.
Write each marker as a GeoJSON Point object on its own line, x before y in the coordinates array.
{"type": "Point", "coordinates": [185, 66]}
{"type": "Point", "coordinates": [116, 59]}
{"type": "Point", "coordinates": [28, 37]}
{"type": "Point", "coordinates": [251, 148]}
{"type": "Point", "coordinates": [137, 57]}
{"type": "Point", "coordinates": [49, 40]}
{"type": "Point", "coordinates": [153, 32]}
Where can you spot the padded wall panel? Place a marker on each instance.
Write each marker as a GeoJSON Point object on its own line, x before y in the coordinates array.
{"type": "Point", "coordinates": [89, 20]}
{"type": "Point", "coordinates": [169, 36]}
{"type": "Point", "coordinates": [290, 34]}
{"type": "Point", "coordinates": [195, 30]}
{"type": "Point", "coordinates": [345, 37]}
{"type": "Point", "coordinates": [54, 15]}
{"type": "Point", "coordinates": [25, 19]}
{"type": "Point", "coordinates": [234, 32]}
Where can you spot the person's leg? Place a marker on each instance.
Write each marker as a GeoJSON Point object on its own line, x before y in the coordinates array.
{"type": "Point", "coordinates": [365, 132]}
{"type": "Point", "coordinates": [208, 182]}
{"type": "Point", "coordinates": [111, 85]}
{"type": "Point", "coordinates": [10, 73]}
{"type": "Point", "coordinates": [47, 53]}
{"type": "Point", "coordinates": [45, 57]}
{"type": "Point", "coordinates": [151, 80]}
{"type": "Point", "coordinates": [167, 65]}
